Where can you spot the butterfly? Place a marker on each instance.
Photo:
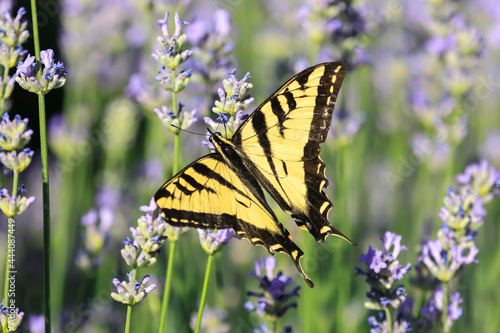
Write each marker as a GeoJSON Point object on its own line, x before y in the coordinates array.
{"type": "Point", "coordinates": [276, 148]}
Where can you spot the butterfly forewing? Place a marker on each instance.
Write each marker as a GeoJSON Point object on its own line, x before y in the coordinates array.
{"type": "Point", "coordinates": [193, 197]}
{"type": "Point", "coordinates": [282, 142]}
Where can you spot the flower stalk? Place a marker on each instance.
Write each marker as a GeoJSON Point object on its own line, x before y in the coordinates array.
{"type": "Point", "coordinates": [171, 55]}
{"type": "Point", "coordinates": [168, 283]}
{"type": "Point", "coordinates": [45, 177]}
{"type": "Point", "coordinates": [204, 292]}
{"type": "Point", "coordinates": [129, 306]}
{"type": "Point", "coordinates": [31, 77]}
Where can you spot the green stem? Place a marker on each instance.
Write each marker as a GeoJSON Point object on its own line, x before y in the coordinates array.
{"type": "Point", "coordinates": [5, 74]}
{"type": "Point", "coordinates": [166, 292]}
{"type": "Point", "coordinates": [444, 317]}
{"type": "Point", "coordinates": [129, 307]}
{"type": "Point", "coordinates": [7, 268]}
{"type": "Point", "coordinates": [175, 164]}
{"type": "Point", "coordinates": [15, 179]}
{"type": "Point", "coordinates": [46, 212]}
{"type": "Point", "coordinates": [129, 314]}
{"type": "Point", "coordinates": [275, 326]}
{"type": "Point", "coordinates": [45, 177]}
{"type": "Point", "coordinates": [175, 168]}
{"type": "Point", "coordinates": [388, 319]}
{"type": "Point", "coordinates": [204, 293]}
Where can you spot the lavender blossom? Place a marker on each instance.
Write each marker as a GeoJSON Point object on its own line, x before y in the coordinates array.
{"type": "Point", "coordinates": [96, 40]}
{"type": "Point", "coordinates": [344, 23]}
{"type": "Point", "coordinates": [379, 323]}
{"type": "Point", "coordinates": [14, 135]}
{"type": "Point", "coordinates": [444, 258]}
{"type": "Point", "coordinates": [212, 47]}
{"type": "Point", "coordinates": [432, 312]}
{"type": "Point", "coordinates": [382, 271]}
{"type": "Point", "coordinates": [171, 82]}
{"type": "Point", "coordinates": [213, 241]}
{"type": "Point", "coordinates": [445, 263]}
{"type": "Point", "coordinates": [6, 320]}
{"type": "Point", "coordinates": [462, 215]}
{"type": "Point", "coordinates": [223, 123]}
{"type": "Point", "coordinates": [131, 292]}
{"type": "Point", "coordinates": [173, 53]}
{"type": "Point", "coordinates": [233, 100]}
{"type": "Point", "coordinates": [452, 51]}
{"type": "Point", "coordinates": [175, 123]}
{"type": "Point", "coordinates": [17, 161]}
{"type": "Point", "coordinates": [276, 295]}
{"type": "Point", "coordinates": [14, 205]}
{"type": "Point", "coordinates": [481, 178]}
{"type": "Point", "coordinates": [13, 30]}
{"type": "Point", "coordinates": [148, 237]}
{"type": "Point", "coordinates": [53, 74]}
{"type": "Point", "coordinates": [13, 33]}
{"type": "Point", "coordinates": [235, 97]}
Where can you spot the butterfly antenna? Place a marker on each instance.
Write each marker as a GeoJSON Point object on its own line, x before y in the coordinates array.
{"type": "Point", "coordinates": [184, 130]}
{"type": "Point", "coordinates": [224, 121]}
{"type": "Point", "coordinates": [222, 117]}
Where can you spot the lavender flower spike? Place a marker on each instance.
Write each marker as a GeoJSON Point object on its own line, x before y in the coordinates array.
{"type": "Point", "coordinates": [172, 54]}
{"type": "Point", "coordinates": [481, 178]}
{"type": "Point", "coordinates": [15, 134]}
{"type": "Point", "coordinates": [53, 74]}
{"type": "Point", "coordinates": [277, 293]}
{"type": "Point", "coordinates": [213, 241]}
{"type": "Point", "coordinates": [131, 292]}
{"type": "Point", "coordinates": [382, 271]}
{"type": "Point", "coordinates": [14, 205]}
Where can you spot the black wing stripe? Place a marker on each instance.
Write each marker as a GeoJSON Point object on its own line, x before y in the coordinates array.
{"type": "Point", "coordinates": [260, 127]}
{"type": "Point", "coordinates": [191, 181]}
{"type": "Point", "coordinates": [304, 78]}
{"type": "Point", "coordinates": [280, 114]}
{"type": "Point", "coordinates": [186, 218]}
{"type": "Point", "coordinates": [292, 103]}
{"type": "Point", "coordinates": [202, 169]}
{"type": "Point", "coordinates": [258, 121]}
{"type": "Point", "coordinates": [183, 189]}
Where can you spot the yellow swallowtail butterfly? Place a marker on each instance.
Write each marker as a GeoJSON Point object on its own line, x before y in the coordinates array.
{"type": "Point", "coordinates": [276, 148]}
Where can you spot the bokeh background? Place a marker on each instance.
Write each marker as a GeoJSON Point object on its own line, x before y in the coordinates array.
{"type": "Point", "coordinates": [419, 103]}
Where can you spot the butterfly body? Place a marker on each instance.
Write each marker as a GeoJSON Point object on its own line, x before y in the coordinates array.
{"type": "Point", "coordinates": [277, 149]}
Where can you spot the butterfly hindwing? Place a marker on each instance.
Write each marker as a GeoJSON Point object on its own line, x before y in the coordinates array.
{"type": "Point", "coordinates": [191, 198]}
{"type": "Point", "coordinates": [281, 139]}
{"type": "Point", "coordinates": [210, 193]}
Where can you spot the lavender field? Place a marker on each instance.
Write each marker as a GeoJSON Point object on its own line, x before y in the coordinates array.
{"type": "Point", "coordinates": [103, 101]}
